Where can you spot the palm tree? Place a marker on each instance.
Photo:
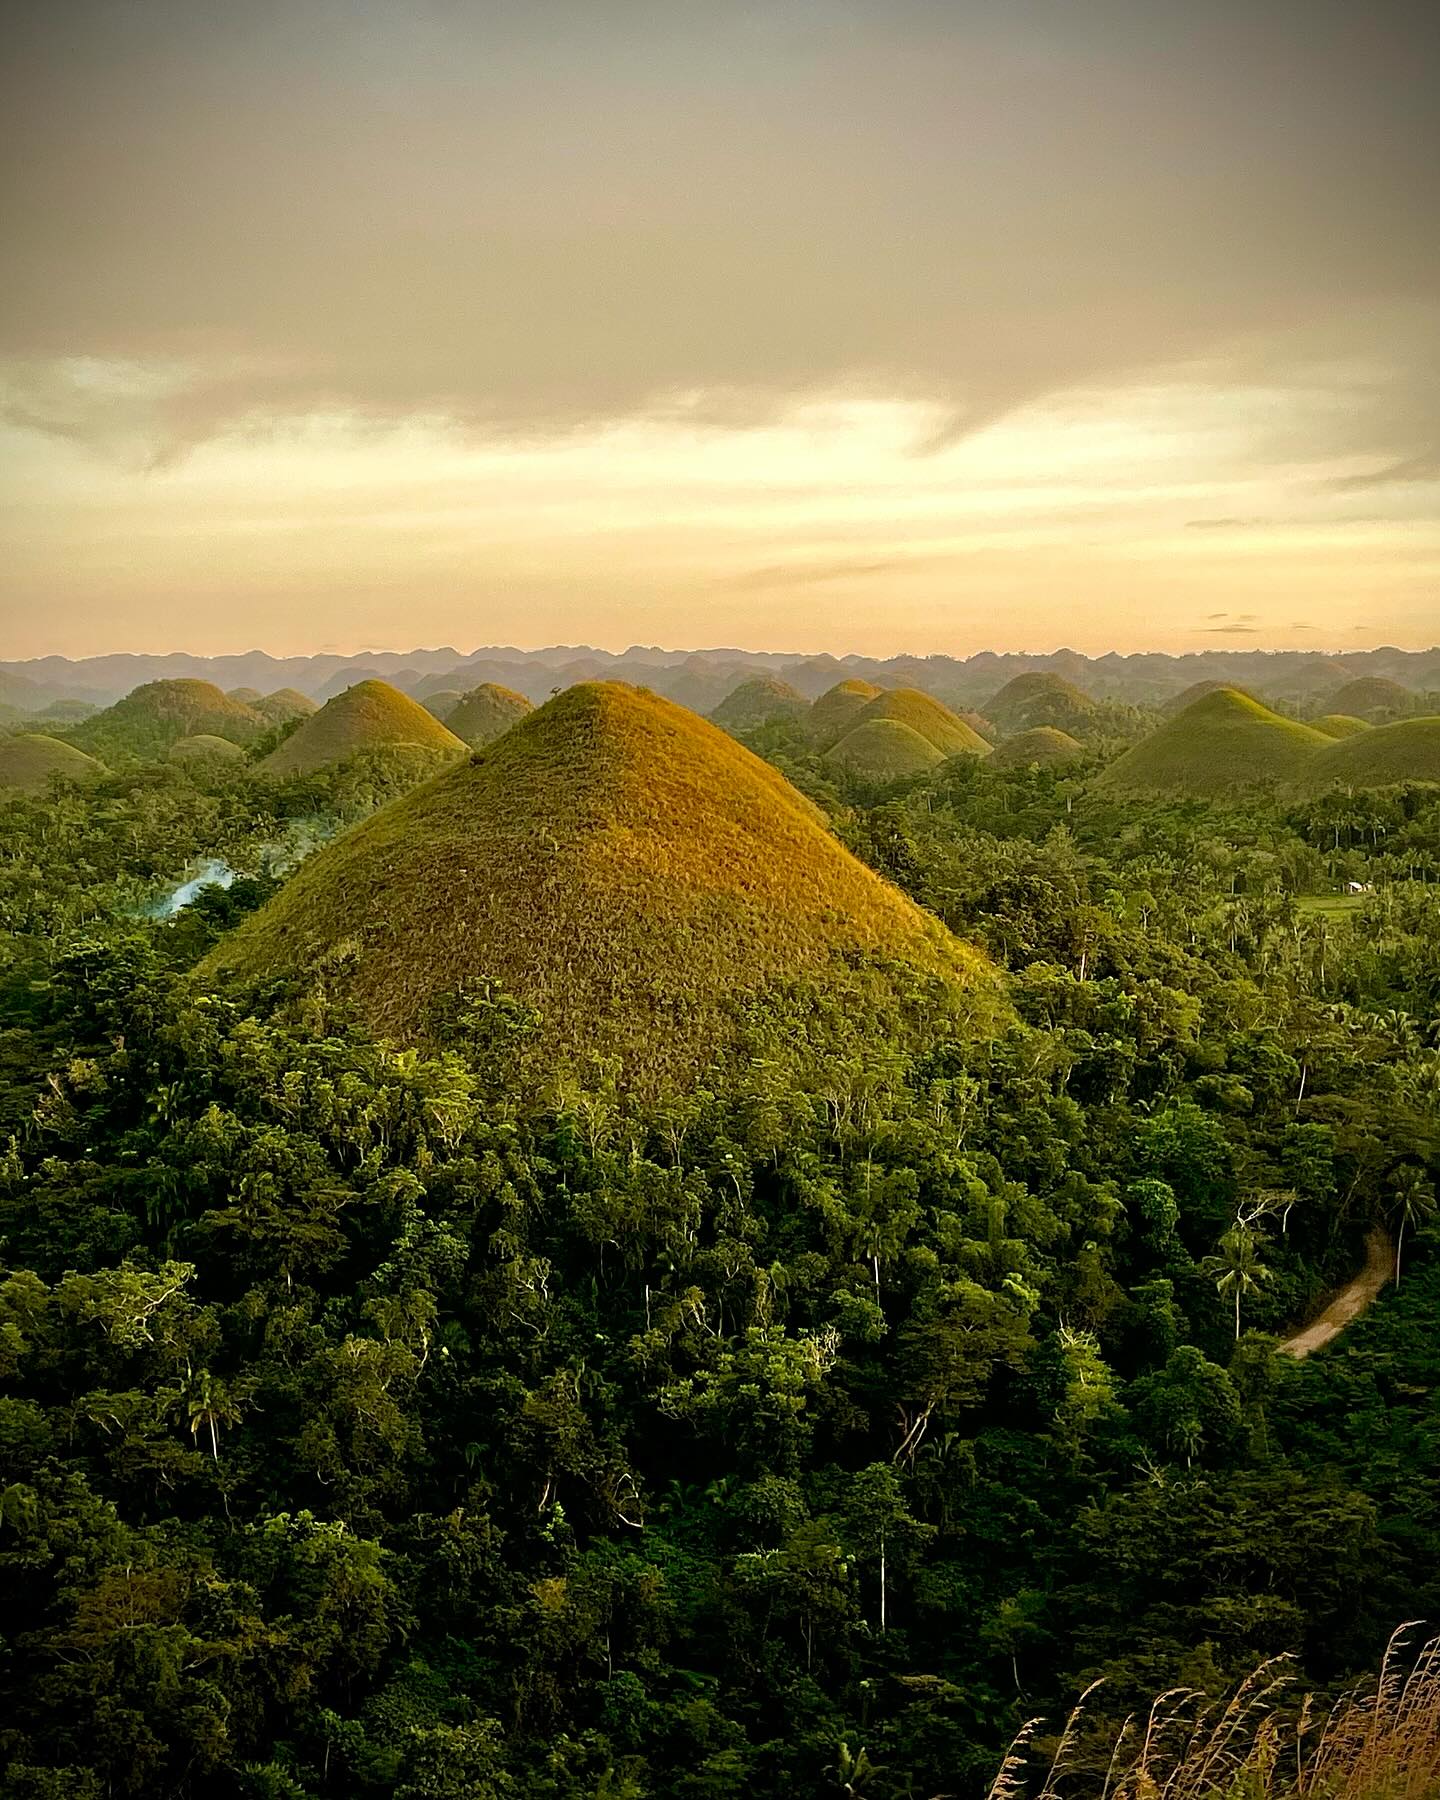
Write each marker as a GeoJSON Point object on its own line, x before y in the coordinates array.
{"type": "Point", "coordinates": [1414, 1206]}
{"type": "Point", "coordinates": [1236, 1269]}
{"type": "Point", "coordinates": [209, 1406]}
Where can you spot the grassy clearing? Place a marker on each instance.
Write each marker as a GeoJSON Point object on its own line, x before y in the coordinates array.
{"type": "Point", "coordinates": [368, 716]}
{"type": "Point", "coordinates": [1330, 906]}
{"type": "Point", "coordinates": [617, 864]}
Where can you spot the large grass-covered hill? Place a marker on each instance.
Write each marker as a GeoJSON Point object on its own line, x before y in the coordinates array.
{"type": "Point", "coordinates": [1372, 697]}
{"type": "Point", "coordinates": [485, 712]}
{"type": "Point", "coordinates": [372, 715]}
{"type": "Point", "coordinates": [1040, 697]}
{"type": "Point", "coordinates": [838, 707]}
{"type": "Point", "coordinates": [1043, 746]}
{"type": "Point", "coordinates": [1408, 750]}
{"type": "Point", "coordinates": [625, 868]}
{"type": "Point", "coordinates": [30, 761]}
{"type": "Point", "coordinates": [1222, 742]}
{"type": "Point", "coordinates": [153, 717]}
{"type": "Point", "coordinates": [760, 701]}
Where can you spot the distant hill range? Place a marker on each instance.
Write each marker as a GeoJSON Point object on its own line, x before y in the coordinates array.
{"type": "Point", "coordinates": [702, 679]}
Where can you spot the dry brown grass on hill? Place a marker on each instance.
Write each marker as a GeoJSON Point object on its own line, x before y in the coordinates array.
{"type": "Point", "coordinates": [1379, 1742]}
{"type": "Point", "coordinates": [368, 716]}
{"type": "Point", "coordinates": [619, 865]}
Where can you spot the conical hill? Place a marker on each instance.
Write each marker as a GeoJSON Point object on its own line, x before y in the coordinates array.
{"type": "Point", "coordinates": [1408, 750]}
{"type": "Point", "coordinates": [284, 705]}
{"type": "Point", "coordinates": [29, 761]}
{"type": "Point", "coordinates": [760, 701]}
{"type": "Point", "coordinates": [1222, 742]}
{"type": "Point", "coordinates": [485, 712]}
{"type": "Point", "coordinates": [934, 721]}
{"type": "Point", "coordinates": [1043, 745]}
{"type": "Point", "coordinates": [838, 707]}
{"type": "Point", "coordinates": [1040, 697]}
{"type": "Point", "coordinates": [1340, 725]}
{"type": "Point", "coordinates": [372, 715]}
{"type": "Point", "coordinates": [650, 888]}
{"type": "Point", "coordinates": [884, 750]}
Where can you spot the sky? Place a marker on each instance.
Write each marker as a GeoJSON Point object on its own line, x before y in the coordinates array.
{"type": "Point", "coordinates": [869, 325]}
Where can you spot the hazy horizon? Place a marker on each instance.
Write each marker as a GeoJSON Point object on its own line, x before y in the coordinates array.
{"type": "Point", "coordinates": [913, 324]}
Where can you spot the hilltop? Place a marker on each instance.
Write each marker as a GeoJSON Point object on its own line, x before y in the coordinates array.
{"type": "Point", "coordinates": [924, 714]}
{"type": "Point", "coordinates": [884, 750]}
{"type": "Point", "coordinates": [1408, 750]}
{"type": "Point", "coordinates": [1197, 690]}
{"type": "Point", "coordinates": [1039, 698]}
{"type": "Point", "coordinates": [441, 703]}
{"type": "Point", "coordinates": [1222, 742]}
{"type": "Point", "coordinates": [485, 712]}
{"type": "Point", "coordinates": [29, 761]}
{"type": "Point", "coordinates": [1340, 725]}
{"type": "Point", "coordinates": [838, 707]}
{"type": "Point", "coordinates": [204, 747]}
{"type": "Point", "coordinates": [369, 716]}
{"type": "Point", "coordinates": [153, 717]}
{"type": "Point", "coordinates": [284, 705]}
{"type": "Point", "coordinates": [1043, 745]}
{"type": "Point", "coordinates": [1372, 697]}
{"type": "Point", "coordinates": [649, 887]}
{"type": "Point", "coordinates": [760, 701]}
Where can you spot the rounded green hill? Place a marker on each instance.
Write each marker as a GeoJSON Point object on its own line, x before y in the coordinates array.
{"type": "Point", "coordinates": [1197, 690]}
{"type": "Point", "coordinates": [626, 869]}
{"type": "Point", "coordinates": [30, 761]}
{"type": "Point", "coordinates": [284, 705]}
{"type": "Point", "coordinates": [884, 750]}
{"type": "Point", "coordinates": [1039, 697]}
{"type": "Point", "coordinates": [1340, 725]}
{"type": "Point", "coordinates": [441, 705]}
{"type": "Point", "coordinates": [1408, 750]}
{"type": "Point", "coordinates": [372, 715]}
{"type": "Point", "coordinates": [1044, 746]}
{"type": "Point", "coordinates": [838, 707]}
{"type": "Point", "coordinates": [487, 711]}
{"type": "Point", "coordinates": [153, 717]}
{"type": "Point", "coordinates": [760, 701]}
{"type": "Point", "coordinates": [1222, 742]}
{"type": "Point", "coordinates": [1371, 697]}
{"type": "Point", "coordinates": [205, 748]}
{"type": "Point", "coordinates": [922, 713]}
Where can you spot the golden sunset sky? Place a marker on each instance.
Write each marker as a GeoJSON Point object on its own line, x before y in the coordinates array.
{"type": "Point", "coordinates": [830, 324]}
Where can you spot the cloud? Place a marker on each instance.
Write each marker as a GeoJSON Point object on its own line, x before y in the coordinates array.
{"type": "Point", "coordinates": [525, 219]}
{"type": "Point", "coordinates": [1422, 467]}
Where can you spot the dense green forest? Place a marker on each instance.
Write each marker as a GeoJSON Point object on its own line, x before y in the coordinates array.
{"type": "Point", "coordinates": [375, 1423]}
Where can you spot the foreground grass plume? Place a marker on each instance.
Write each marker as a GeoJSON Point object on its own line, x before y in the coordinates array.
{"type": "Point", "coordinates": [1381, 1741]}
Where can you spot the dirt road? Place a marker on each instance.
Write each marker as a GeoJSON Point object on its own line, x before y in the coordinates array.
{"type": "Point", "coordinates": [1351, 1301]}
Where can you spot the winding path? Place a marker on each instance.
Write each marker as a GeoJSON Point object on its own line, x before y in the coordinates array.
{"type": "Point", "coordinates": [1352, 1300]}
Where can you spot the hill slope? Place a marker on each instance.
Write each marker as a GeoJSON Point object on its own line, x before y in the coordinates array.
{"type": "Point", "coordinates": [626, 869]}
{"type": "Point", "coordinates": [1340, 725]}
{"type": "Point", "coordinates": [1044, 745]}
{"type": "Point", "coordinates": [1408, 750]}
{"type": "Point", "coordinates": [368, 716]}
{"type": "Point", "coordinates": [29, 761]}
{"type": "Point", "coordinates": [1371, 697]}
{"type": "Point", "coordinates": [838, 707]}
{"type": "Point", "coordinates": [922, 713]}
{"type": "Point", "coordinates": [1039, 698]}
{"type": "Point", "coordinates": [284, 705]}
{"type": "Point", "coordinates": [485, 712]}
{"type": "Point", "coordinates": [1224, 741]}
{"type": "Point", "coordinates": [884, 750]}
{"type": "Point", "coordinates": [153, 717]}
{"type": "Point", "coordinates": [758, 702]}
{"type": "Point", "coordinates": [205, 747]}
